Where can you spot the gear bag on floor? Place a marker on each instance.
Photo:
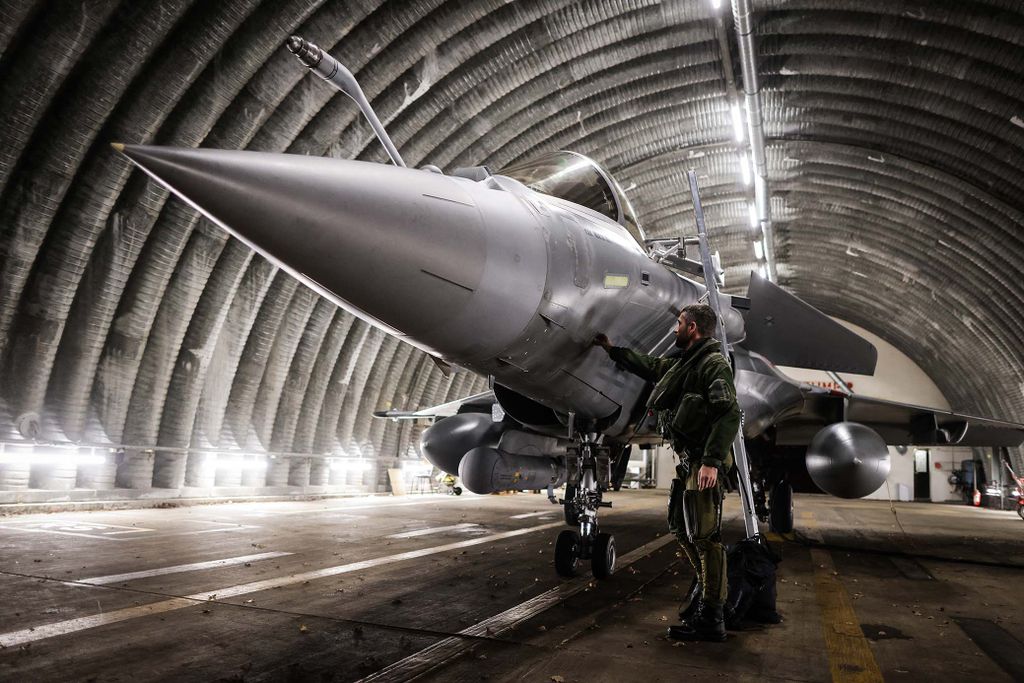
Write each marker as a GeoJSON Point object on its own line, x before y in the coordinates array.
{"type": "Point", "coordinates": [751, 568]}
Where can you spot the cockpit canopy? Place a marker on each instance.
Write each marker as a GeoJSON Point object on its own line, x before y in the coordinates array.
{"type": "Point", "coordinates": [578, 179]}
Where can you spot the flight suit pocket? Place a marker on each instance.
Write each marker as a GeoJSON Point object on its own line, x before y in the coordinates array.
{"type": "Point", "coordinates": [676, 523]}
{"type": "Point", "coordinates": [691, 416]}
{"type": "Point", "coordinates": [667, 390]}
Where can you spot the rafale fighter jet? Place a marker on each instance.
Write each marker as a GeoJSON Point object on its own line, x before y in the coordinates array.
{"type": "Point", "coordinates": [510, 274]}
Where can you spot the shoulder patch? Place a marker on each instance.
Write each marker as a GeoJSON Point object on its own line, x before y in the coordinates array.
{"type": "Point", "coordinates": [719, 392]}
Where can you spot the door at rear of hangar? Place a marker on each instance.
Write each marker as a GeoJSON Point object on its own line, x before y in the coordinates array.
{"type": "Point", "coordinates": [922, 477]}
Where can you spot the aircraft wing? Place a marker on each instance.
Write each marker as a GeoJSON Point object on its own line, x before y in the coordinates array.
{"type": "Point", "coordinates": [476, 403]}
{"type": "Point", "coordinates": [897, 423]}
{"type": "Point", "coordinates": [788, 331]}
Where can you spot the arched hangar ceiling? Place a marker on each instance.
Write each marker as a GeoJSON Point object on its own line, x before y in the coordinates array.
{"type": "Point", "coordinates": [893, 139]}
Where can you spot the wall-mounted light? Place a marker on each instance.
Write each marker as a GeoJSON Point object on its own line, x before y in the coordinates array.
{"type": "Point", "coordinates": [762, 271]}
{"type": "Point", "coordinates": [229, 461]}
{"type": "Point", "coordinates": [350, 465]}
{"type": "Point", "coordinates": [753, 216]}
{"type": "Point", "coordinates": [759, 250]}
{"type": "Point", "coordinates": [49, 455]}
{"type": "Point", "coordinates": [414, 468]}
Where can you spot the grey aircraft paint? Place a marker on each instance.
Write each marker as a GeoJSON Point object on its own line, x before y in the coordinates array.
{"type": "Point", "coordinates": [494, 277]}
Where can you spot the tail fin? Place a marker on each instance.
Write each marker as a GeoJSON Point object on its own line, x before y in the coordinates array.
{"type": "Point", "coordinates": [789, 331]}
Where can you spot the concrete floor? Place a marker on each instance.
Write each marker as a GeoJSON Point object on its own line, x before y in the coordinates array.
{"type": "Point", "coordinates": [340, 590]}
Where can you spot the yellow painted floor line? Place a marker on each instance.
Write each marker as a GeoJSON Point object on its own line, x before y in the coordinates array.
{"type": "Point", "coordinates": [849, 655]}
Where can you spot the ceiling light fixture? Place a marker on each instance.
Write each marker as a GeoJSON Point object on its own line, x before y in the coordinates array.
{"type": "Point", "coordinates": [745, 168]}
{"type": "Point", "coordinates": [737, 122]}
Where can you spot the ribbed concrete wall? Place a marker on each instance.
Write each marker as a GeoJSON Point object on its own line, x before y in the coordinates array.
{"type": "Point", "coordinates": [894, 144]}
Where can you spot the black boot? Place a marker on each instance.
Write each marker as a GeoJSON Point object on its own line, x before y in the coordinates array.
{"type": "Point", "coordinates": [692, 601]}
{"type": "Point", "coordinates": [707, 624]}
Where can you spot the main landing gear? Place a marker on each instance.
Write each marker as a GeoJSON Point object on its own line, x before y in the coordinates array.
{"type": "Point", "coordinates": [589, 474]}
{"type": "Point", "coordinates": [776, 509]}
{"type": "Point", "coordinates": [769, 483]}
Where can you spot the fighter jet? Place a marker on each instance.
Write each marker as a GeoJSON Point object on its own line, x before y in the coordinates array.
{"type": "Point", "coordinates": [510, 274]}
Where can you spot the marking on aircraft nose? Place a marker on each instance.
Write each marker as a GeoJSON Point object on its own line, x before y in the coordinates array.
{"type": "Point", "coordinates": [445, 279]}
{"type": "Point", "coordinates": [449, 199]}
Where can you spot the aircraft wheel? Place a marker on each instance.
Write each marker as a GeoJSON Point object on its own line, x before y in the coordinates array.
{"type": "Point", "coordinates": [457, 490]}
{"type": "Point", "coordinates": [1020, 511]}
{"type": "Point", "coordinates": [567, 553]}
{"type": "Point", "coordinates": [602, 560]}
{"type": "Point", "coordinates": [782, 508]}
{"type": "Point", "coordinates": [568, 508]}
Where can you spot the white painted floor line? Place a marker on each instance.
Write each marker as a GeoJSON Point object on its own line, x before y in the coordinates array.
{"type": "Point", "coordinates": [64, 533]}
{"type": "Point", "coordinates": [430, 657]}
{"type": "Point", "coordinates": [132, 531]}
{"type": "Point", "coordinates": [533, 514]}
{"type": "Point", "coordinates": [59, 628]}
{"type": "Point", "coordinates": [218, 522]}
{"type": "Point", "coordinates": [359, 506]}
{"type": "Point", "coordinates": [436, 530]}
{"type": "Point", "coordinates": [195, 566]}
{"type": "Point", "coordinates": [233, 527]}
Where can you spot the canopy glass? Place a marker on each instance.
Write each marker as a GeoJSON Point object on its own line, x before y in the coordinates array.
{"type": "Point", "coordinates": [581, 180]}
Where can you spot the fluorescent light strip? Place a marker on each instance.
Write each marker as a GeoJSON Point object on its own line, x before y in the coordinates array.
{"type": "Point", "coordinates": [737, 122]}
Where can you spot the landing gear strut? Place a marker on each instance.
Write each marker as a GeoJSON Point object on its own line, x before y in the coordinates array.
{"type": "Point", "coordinates": [781, 506]}
{"type": "Point", "coordinates": [589, 472]}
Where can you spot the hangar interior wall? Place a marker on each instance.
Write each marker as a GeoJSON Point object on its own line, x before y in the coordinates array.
{"type": "Point", "coordinates": [892, 132]}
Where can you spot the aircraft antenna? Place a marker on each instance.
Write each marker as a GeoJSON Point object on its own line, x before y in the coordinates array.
{"type": "Point", "coordinates": [335, 73]}
{"type": "Point", "coordinates": [739, 448]}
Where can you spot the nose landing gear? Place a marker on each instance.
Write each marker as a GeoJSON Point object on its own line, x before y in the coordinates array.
{"type": "Point", "coordinates": [588, 477]}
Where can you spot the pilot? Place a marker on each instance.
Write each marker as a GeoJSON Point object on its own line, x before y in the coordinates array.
{"type": "Point", "coordinates": [694, 399]}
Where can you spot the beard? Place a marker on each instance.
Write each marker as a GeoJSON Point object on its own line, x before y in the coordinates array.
{"type": "Point", "coordinates": [683, 341]}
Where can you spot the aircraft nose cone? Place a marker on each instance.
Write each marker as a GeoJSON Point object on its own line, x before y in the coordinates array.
{"type": "Point", "coordinates": [401, 247]}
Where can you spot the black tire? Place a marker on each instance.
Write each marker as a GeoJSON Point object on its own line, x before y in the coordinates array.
{"type": "Point", "coordinates": [568, 508]}
{"type": "Point", "coordinates": [602, 559]}
{"type": "Point", "coordinates": [781, 508]}
{"type": "Point", "coordinates": [457, 490]}
{"type": "Point", "coordinates": [567, 556]}
{"type": "Point", "coordinates": [1020, 511]}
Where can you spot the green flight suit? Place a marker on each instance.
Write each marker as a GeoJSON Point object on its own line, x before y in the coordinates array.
{"type": "Point", "coordinates": [694, 399]}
